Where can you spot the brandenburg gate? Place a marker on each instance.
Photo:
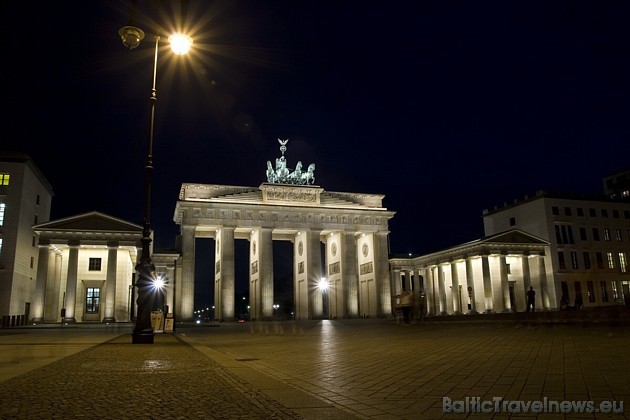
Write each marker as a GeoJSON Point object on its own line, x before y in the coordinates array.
{"type": "Point", "coordinates": [288, 207]}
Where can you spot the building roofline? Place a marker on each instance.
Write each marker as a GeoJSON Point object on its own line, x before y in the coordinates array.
{"type": "Point", "coordinates": [21, 157]}
{"type": "Point", "coordinates": [540, 194]}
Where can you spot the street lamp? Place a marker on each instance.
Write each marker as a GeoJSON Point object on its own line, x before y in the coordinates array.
{"type": "Point", "coordinates": [323, 286]}
{"type": "Point", "coordinates": [143, 331]}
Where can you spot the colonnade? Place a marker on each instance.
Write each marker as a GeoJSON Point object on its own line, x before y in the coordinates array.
{"type": "Point", "coordinates": [353, 227]}
{"type": "Point", "coordinates": [485, 276]}
{"type": "Point", "coordinates": [356, 273]}
{"type": "Point", "coordinates": [487, 285]}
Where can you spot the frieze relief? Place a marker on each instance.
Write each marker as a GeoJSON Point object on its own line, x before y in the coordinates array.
{"type": "Point", "coordinates": [299, 218]}
{"type": "Point", "coordinates": [366, 268]}
{"type": "Point", "coordinates": [291, 196]}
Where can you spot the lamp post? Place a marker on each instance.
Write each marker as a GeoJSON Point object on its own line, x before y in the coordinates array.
{"type": "Point", "coordinates": [143, 331]}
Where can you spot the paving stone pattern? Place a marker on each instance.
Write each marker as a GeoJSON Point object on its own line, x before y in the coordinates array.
{"type": "Point", "coordinates": [120, 380]}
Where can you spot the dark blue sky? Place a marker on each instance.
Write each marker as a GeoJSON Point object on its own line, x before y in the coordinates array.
{"type": "Point", "coordinates": [446, 108]}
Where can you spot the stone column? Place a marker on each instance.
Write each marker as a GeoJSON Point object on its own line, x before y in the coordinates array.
{"type": "Point", "coordinates": [470, 283]}
{"type": "Point", "coordinates": [53, 289]}
{"type": "Point", "coordinates": [266, 273]}
{"type": "Point", "coordinates": [417, 286]}
{"type": "Point", "coordinates": [487, 285]}
{"type": "Point", "coordinates": [169, 291]}
{"type": "Point", "coordinates": [457, 298]}
{"type": "Point", "coordinates": [40, 283]}
{"type": "Point", "coordinates": [442, 289]}
{"type": "Point", "coordinates": [314, 273]}
{"type": "Point", "coordinates": [527, 278]}
{"type": "Point", "coordinates": [505, 285]}
{"type": "Point", "coordinates": [350, 275]}
{"type": "Point", "coordinates": [71, 282]}
{"type": "Point", "coordinates": [185, 288]}
{"type": "Point", "coordinates": [381, 272]}
{"type": "Point", "coordinates": [227, 274]}
{"type": "Point", "coordinates": [397, 276]}
{"type": "Point", "coordinates": [110, 290]}
{"type": "Point", "coordinates": [542, 270]}
{"type": "Point", "coordinates": [429, 290]}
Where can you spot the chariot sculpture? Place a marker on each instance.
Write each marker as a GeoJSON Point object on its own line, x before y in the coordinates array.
{"type": "Point", "coordinates": [283, 175]}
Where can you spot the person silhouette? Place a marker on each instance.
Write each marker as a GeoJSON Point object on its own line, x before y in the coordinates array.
{"type": "Point", "coordinates": [531, 299]}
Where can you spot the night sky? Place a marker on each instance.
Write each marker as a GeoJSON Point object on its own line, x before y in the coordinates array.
{"type": "Point", "coordinates": [446, 108]}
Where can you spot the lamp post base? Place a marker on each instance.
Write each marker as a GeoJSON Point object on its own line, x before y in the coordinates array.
{"type": "Point", "coordinates": [142, 338]}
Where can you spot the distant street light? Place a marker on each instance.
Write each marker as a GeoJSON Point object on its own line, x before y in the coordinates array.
{"type": "Point", "coordinates": [147, 278]}
{"type": "Point", "coordinates": [323, 286]}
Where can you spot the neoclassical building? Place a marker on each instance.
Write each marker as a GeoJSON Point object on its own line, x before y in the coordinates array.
{"type": "Point", "coordinates": [573, 249]}
{"type": "Point", "coordinates": [353, 228]}
{"type": "Point", "coordinates": [489, 275]}
{"type": "Point", "coordinates": [86, 270]}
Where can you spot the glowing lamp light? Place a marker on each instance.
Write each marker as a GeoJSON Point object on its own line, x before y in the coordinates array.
{"type": "Point", "coordinates": [159, 283]}
{"type": "Point", "coordinates": [323, 284]}
{"type": "Point", "coordinates": [180, 43]}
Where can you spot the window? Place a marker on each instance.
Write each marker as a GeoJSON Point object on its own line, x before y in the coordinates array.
{"type": "Point", "coordinates": [512, 221]}
{"type": "Point", "coordinates": [0, 245]}
{"type": "Point", "coordinates": [626, 214]}
{"type": "Point", "coordinates": [34, 241]}
{"type": "Point", "coordinates": [564, 234]}
{"type": "Point", "coordinates": [574, 261]}
{"type": "Point", "coordinates": [508, 270]}
{"type": "Point", "coordinates": [613, 284]}
{"type": "Point", "coordinates": [618, 235]}
{"type": "Point", "coordinates": [611, 261]}
{"type": "Point", "coordinates": [606, 234]}
{"type": "Point", "coordinates": [605, 213]}
{"type": "Point", "coordinates": [35, 220]}
{"type": "Point", "coordinates": [32, 262]}
{"type": "Point", "coordinates": [623, 263]}
{"type": "Point", "coordinates": [595, 234]}
{"type": "Point", "coordinates": [555, 211]}
{"type": "Point", "coordinates": [600, 260]}
{"type": "Point", "coordinates": [94, 264]}
{"type": "Point", "coordinates": [616, 214]}
{"type": "Point", "coordinates": [592, 213]}
{"type": "Point", "coordinates": [583, 234]}
{"type": "Point", "coordinates": [2, 208]}
{"type": "Point", "coordinates": [567, 211]}
{"type": "Point", "coordinates": [587, 260]}
{"type": "Point", "coordinates": [37, 200]}
{"type": "Point", "coordinates": [602, 286]}
{"type": "Point", "coordinates": [4, 179]}
{"type": "Point", "coordinates": [591, 291]}
{"type": "Point", "coordinates": [558, 236]}
{"type": "Point", "coordinates": [92, 299]}
{"type": "Point", "coordinates": [561, 260]}
{"type": "Point", "coordinates": [580, 211]}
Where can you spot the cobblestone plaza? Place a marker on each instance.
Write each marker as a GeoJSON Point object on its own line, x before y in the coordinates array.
{"type": "Point", "coordinates": [315, 369]}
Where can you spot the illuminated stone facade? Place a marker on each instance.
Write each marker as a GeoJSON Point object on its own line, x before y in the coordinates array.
{"type": "Point", "coordinates": [353, 227]}
{"type": "Point", "coordinates": [589, 242]}
{"type": "Point", "coordinates": [86, 268]}
{"type": "Point", "coordinates": [488, 275]}
{"type": "Point", "coordinates": [25, 199]}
